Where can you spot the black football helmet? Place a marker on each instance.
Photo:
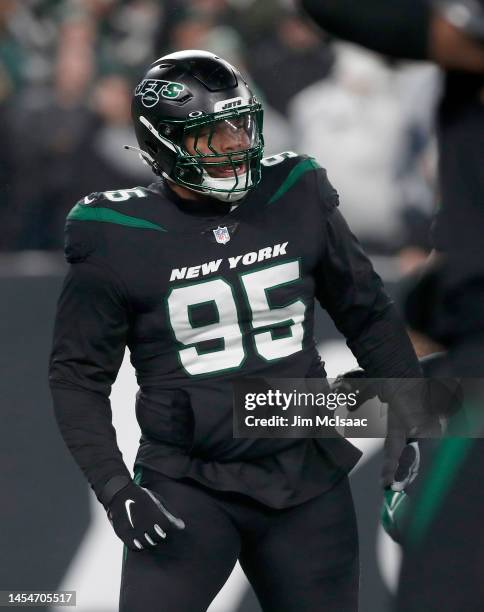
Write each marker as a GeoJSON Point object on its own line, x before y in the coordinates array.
{"type": "Point", "coordinates": [199, 125]}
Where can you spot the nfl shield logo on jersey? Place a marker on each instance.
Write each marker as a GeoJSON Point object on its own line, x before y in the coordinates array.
{"type": "Point", "coordinates": [221, 234]}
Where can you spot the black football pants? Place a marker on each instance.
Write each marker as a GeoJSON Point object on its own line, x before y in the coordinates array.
{"type": "Point", "coordinates": [300, 559]}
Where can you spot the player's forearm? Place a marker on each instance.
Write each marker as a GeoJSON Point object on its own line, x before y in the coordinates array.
{"type": "Point", "coordinates": [88, 347]}
{"type": "Point", "coordinates": [84, 420]}
{"type": "Point", "coordinates": [383, 347]}
{"type": "Point", "coordinates": [385, 351]}
{"type": "Point", "coordinates": [408, 29]}
{"type": "Point", "coordinates": [398, 29]}
{"type": "Point", "coordinates": [453, 48]}
{"type": "Point", "coordinates": [355, 298]}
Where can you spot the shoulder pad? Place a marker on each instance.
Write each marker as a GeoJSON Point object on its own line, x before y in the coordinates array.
{"type": "Point", "coordinates": [289, 168]}
{"type": "Point", "coordinates": [79, 238]}
{"type": "Point", "coordinates": [107, 207]}
{"type": "Point", "coordinates": [328, 194]}
{"type": "Point", "coordinates": [106, 198]}
{"type": "Point", "coordinates": [284, 170]}
{"type": "Point", "coordinates": [274, 160]}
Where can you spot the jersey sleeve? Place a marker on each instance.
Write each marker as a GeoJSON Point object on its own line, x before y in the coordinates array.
{"type": "Point", "coordinates": [89, 341]}
{"type": "Point", "coordinates": [352, 293]}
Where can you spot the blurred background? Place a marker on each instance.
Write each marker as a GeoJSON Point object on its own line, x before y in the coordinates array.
{"type": "Point", "coordinates": [67, 71]}
{"type": "Point", "coordinates": [68, 67]}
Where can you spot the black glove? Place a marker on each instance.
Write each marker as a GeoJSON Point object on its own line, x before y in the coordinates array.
{"type": "Point", "coordinates": [445, 394]}
{"type": "Point", "coordinates": [410, 418]}
{"type": "Point", "coordinates": [355, 381]}
{"type": "Point", "coordinates": [396, 497]}
{"type": "Point", "coordinates": [139, 517]}
{"type": "Point", "coordinates": [415, 406]}
{"type": "Point", "coordinates": [401, 461]}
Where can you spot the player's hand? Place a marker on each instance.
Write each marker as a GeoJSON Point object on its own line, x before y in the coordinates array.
{"type": "Point", "coordinates": [139, 517]}
{"type": "Point", "coordinates": [397, 498]}
{"type": "Point", "coordinates": [401, 463]}
{"type": "Point", "coordinates": [410, 422]}
{"type": "Point", "coordinates": [355, 381]}
{"type": "Point", "coordinates": [410, 418]}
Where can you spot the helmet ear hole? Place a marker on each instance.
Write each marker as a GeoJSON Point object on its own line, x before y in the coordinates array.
{"type": "Point", "coordinates": [170, 131]}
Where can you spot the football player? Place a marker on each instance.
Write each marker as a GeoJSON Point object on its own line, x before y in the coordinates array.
{"type": "Point", "coordinates": [209, 275]}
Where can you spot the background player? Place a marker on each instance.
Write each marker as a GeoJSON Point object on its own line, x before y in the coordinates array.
{"type": "Point", "coordinates": [447, 303]}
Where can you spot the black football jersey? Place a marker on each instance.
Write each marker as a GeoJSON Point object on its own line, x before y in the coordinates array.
{"type": "Point", "coordinates": [203, 295]}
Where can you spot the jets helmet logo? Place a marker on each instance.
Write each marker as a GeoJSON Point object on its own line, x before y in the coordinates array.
{"type": "Point", "coordinates": [221, 234]}
{"type": "Point", "coordinates": [150, 91]}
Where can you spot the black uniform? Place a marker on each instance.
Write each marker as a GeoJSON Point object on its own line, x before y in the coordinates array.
{"type": "Point", "coordinates": [147, 272]}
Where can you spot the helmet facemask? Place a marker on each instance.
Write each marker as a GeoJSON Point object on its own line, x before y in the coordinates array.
{"type": "Point", "coordinates": [218, 154]}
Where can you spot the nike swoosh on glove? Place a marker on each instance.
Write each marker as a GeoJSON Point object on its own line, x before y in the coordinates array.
{"type": "Point", "coordinates": [139, 517]}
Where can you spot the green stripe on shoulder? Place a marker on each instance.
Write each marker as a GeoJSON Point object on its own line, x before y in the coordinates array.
{"type": "Point", "coordinates": [107, 215]}
{"type": "Point", "coordinates": [305, 165]}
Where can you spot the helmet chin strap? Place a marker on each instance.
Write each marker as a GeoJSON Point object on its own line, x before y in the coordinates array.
{"type": "Point", "coordinates": [223, 197]}
{"type": "Point", "coordinates": [211, 184]}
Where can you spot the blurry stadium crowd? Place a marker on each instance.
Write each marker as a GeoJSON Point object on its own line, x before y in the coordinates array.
{"type": "Point", "coordinates": [68, 67]}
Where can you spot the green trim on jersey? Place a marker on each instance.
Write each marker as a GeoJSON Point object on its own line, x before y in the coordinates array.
{"type": "Point", "coordinates": [446, 463]}
{"type": "Point", "coordinates": [305, 165]}
{"type": "Point", "coordinates": [107, 215]}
